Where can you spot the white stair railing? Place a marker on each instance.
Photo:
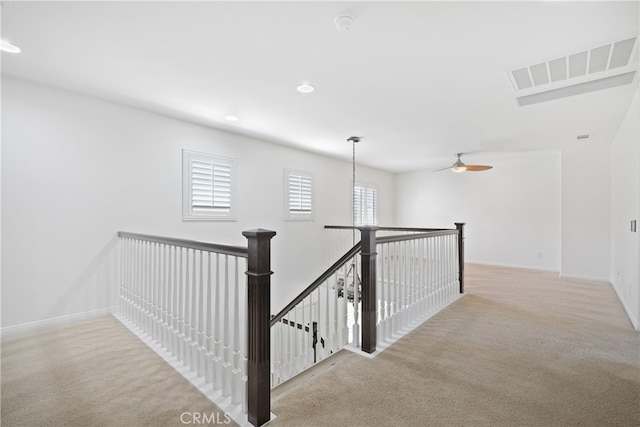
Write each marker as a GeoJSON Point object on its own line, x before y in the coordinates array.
{"type": "Point", "coordinates": [191, 302]}
{"type": "Point", "coordinates": [417, 276]}
{"type": "Point", "coordinates": [317, 323]}
{"type": "Point", "coordinates": [408, 274]}
{"type": "Point", "coordinates": [188, 301]}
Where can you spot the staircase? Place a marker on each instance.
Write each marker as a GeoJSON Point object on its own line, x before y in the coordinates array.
{"type": "Point", "coordinates": [186, 300]}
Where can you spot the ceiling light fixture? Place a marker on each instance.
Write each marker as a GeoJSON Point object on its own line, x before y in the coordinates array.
{"type": "Point", "coordinates": [305, 88]}
{"type": "Point", "coordinates": [459, 167]}
{"type": "Point", "coordinates": [5, 46]}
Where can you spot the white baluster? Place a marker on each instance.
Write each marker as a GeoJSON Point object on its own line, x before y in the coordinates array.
{"type": "Point", "coordinates": [182, 304]}
{"type": "Point", "coordinates": [124, 288]}
{"type": "Point", "coordinates": [380, 293]}
{"type": "Point", "coordinates": [335, 331]}
{"type": "Point", "coordinates": [237, 370]}
{"type": "Point", "coordinates": [147, 289]}
{"type": "Point", "coordinates": [311, 355]}
{"type": "Point", "coordinates": [153, 294]}
{"type": "Point", "coordinates": [306, 337]}
{"type": "Point", "coordinates": [218, 359]}
{"type": "Point", "coordinates": [141, 288]}
{"type": "Point", "coordinates": [208, 368]}
{"type": "Point", "coordinates": [295, 344]}
{"type": "Point", "coordinates": [290, 349]}
{"type": "Point", "coordinates": [141, 285]}
{"type": "Point", "coordinates": [432, 274]}
{"type": "Point", "coordinates": [160, 295]}
{"type": "Point", "coordinates": [193, 319]}
{"type": "Point", "coordinates": [175, 303]}
{"type": "Point", "coordinates": [412, 280]}
{"type": "Point", "coordinates": [187, 310]}
{"type": "Point", "coordinates": [324, 328]}
{"type": "Point", "coordinates": [226, 327]}
{"type": "Point", "coordinates": [356, 296]}
{"type": "Point", "coordinates": [422, 293]}
{"type": "Point", "coordinates": [244, 336]}
{"type": "Point", "coordinates": [201, 323]}
{"type": "Point", "coordinates": [345, 307]}
{"type": "Point", "coordinates": [166, 308]}
{"type": "Point", "coordinates": [276, 354]}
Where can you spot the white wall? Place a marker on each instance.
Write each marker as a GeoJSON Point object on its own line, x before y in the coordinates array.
{"type": "Point", "coordinates": [625, 206]}
{"type": "Point", "coordinates": [512, 211]}
{"type": "Point", "coordinates": [586, 210]}
{"type": "Point", "coordinates": [76, 170]}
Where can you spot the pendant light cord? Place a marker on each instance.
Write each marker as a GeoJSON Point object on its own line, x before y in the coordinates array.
{"type": "Point", "coordinates": [353, 196]}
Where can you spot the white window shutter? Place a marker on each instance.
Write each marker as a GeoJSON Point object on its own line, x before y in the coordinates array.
{"type": "Point", "coordinates": [207, 186]}
{"type": "Point", "coordinates": [299, 194]}
{"type": "Point", "coordinates": [365, 204]}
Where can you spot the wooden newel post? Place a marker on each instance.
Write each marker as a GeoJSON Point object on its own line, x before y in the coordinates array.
{"type": "Point", "coordinates": [369, 315]}
{"type": "Point", "coordinates": [460, 227]}
{"type": "Point", "coordinates": [259, 325]}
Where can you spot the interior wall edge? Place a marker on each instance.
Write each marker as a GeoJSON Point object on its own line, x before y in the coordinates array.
{"type": "Point", "coordinates": [39, 325]}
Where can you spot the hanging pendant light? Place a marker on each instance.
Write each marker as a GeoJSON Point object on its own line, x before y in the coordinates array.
{"type": "Point", "coordinates": [353, 140]}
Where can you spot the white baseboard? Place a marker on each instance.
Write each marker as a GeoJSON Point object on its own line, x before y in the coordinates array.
{"type": "Point", "coordinates": [25, 328]}
{"type": "Point", "coordinates": [524, 267]}
{"type": "Point", "coordinates": [630, 315]}
{"type": "Point", "coordinates": [600, 280]}
{"type": "Point", "coordinates": [587, 278]}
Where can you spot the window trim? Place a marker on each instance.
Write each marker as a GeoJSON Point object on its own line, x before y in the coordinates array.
{"type": "Point", "coordinates": [188, 213]}
{"type": "Point", "coordinates": [290, 215]}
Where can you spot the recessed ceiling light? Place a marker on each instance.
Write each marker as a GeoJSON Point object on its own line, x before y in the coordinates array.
{"type": "Point", "coordinates": [305, 88]}
{"type": "Point", "coordinates": [231, 118]}
{"type": "Point", "coordinates": [5, 46]}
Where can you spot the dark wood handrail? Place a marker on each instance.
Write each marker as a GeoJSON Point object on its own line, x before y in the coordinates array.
{"type": "Point", "coordinates": [238, 251]}
{"type": "Point", "coordinates": [312, 287]}
{"type": "Point", "coordinates": [418, 230]}
{"type": "Point", "coordinates": [402, 237]}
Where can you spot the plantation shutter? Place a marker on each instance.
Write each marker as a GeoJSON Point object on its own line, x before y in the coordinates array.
{"type": "Point", "coordinates": [365, 204]}
{"type": "Point", "coordinates": [209, 186]}
{"type": "Point", "coordinates": [299, 193]}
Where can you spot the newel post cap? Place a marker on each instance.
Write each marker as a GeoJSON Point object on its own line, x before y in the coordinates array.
{"type": "Point", "coordinates": [259, 233]}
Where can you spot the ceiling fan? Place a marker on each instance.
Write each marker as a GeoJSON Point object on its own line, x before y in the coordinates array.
{"type": "Point", "coordinates": [459, 166]}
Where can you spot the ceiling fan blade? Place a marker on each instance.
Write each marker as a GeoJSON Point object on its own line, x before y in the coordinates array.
{"type": "Point", "coordinates": [443, 169]}
{"type": "Point", "coordinates": [478, 168]}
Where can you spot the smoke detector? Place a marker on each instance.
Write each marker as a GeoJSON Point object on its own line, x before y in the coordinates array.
{"type": "Point", "coordinates": [344, 22]}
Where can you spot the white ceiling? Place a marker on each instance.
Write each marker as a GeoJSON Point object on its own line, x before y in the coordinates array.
{"type": "Point", "coordinates": [419, 81]}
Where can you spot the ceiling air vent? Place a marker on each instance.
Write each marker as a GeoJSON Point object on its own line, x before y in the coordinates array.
{"type": "Point", "coordinates": [585, 71]}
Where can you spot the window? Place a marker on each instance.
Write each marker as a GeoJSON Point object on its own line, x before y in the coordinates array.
{"type": "Point", "coordinates": [298, 187]}
{"type": "Point", "coordinates": [365, 204]}
{"type": "Point", "coordinates": [208, 186]}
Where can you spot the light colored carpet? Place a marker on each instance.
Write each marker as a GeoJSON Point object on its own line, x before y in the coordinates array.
{"type": "Point", "coordinates": [522, 348]}
{"type": "Point", "coordinates": [94, 373]}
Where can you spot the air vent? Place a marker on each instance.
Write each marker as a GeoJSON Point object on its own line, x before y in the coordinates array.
{"type": "Point", "coordinates": [601, 67]}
